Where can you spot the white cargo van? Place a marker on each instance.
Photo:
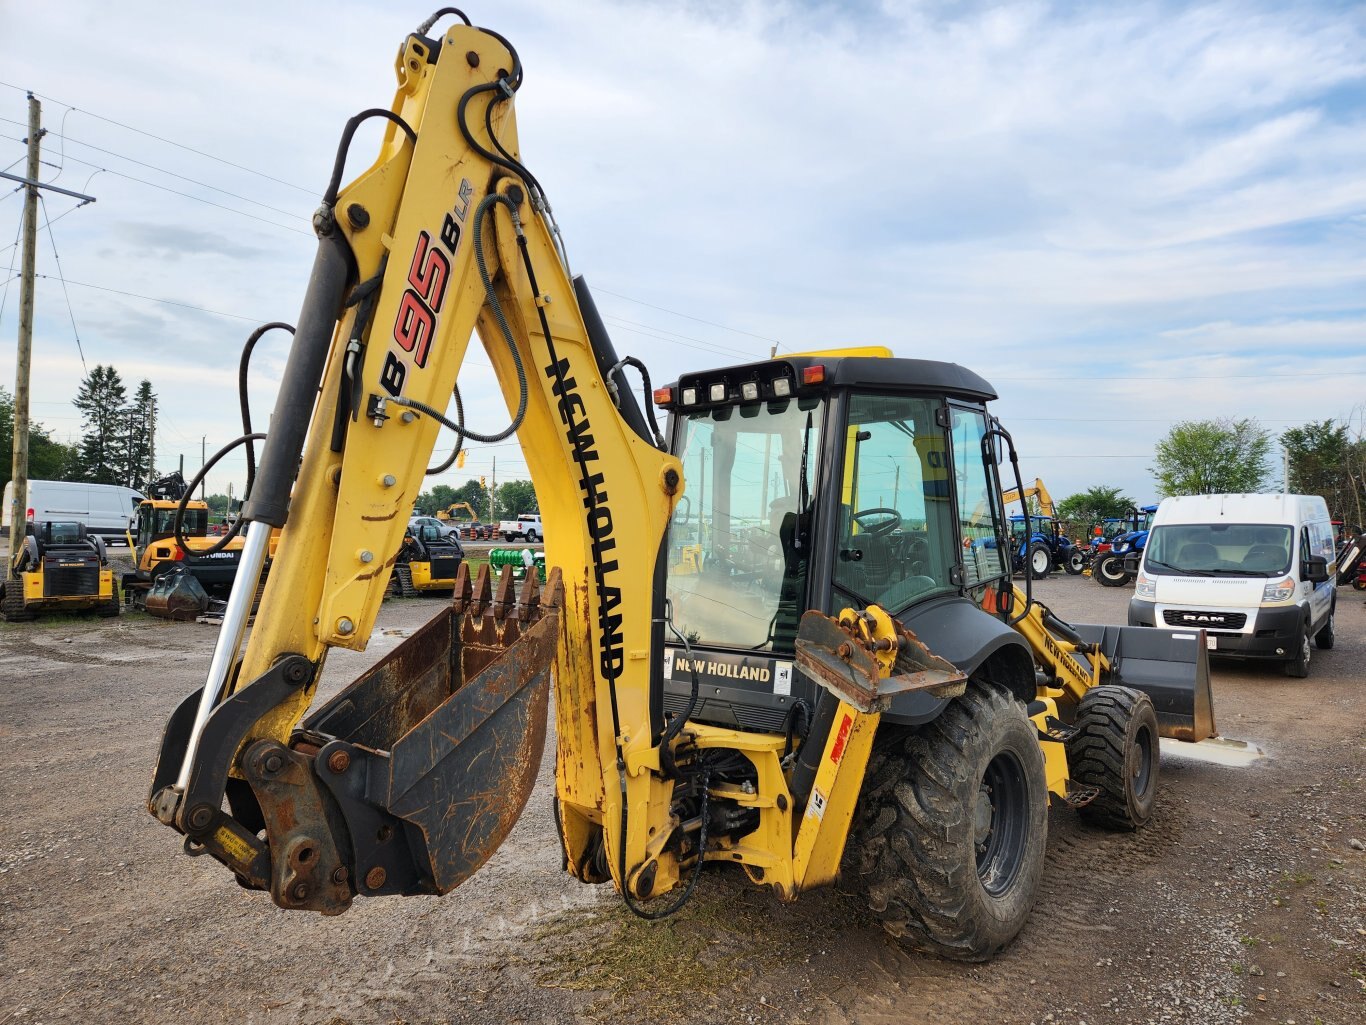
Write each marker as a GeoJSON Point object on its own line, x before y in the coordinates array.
{"type": "Point", "coordinates": [107, 510]}
{"type": "Point", "coordinates": [1254, 571]}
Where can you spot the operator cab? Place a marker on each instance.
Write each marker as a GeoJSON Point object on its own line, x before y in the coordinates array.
{"type": "Point", "coordinates": [156, 521]}
{"type": "Point", "coordinates": [820, 482]}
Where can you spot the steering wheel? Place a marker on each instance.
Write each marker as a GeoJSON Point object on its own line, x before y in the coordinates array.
{"type": "Point", "coordinates": [878, 529]}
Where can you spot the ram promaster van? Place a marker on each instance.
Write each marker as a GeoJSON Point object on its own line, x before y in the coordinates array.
{"type": "Point", "coordinates": [1255, 572]}
{"type": "Point", "coordinates": [107, 510]}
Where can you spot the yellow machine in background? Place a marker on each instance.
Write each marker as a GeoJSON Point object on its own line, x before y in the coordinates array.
{"type": "Point", "coordinates": [58, 569]}
{"type": "Point", "coordinates": [448, 513]}
{"type": "Point", "coordinates": [834, 608]}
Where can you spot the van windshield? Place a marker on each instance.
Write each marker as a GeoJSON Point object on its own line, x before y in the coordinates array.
{"type": "Point", "coordinates": [1220, 549]}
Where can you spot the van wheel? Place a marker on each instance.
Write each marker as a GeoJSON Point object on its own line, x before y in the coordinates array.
{"type": "Point", "coordinates": [949, 834]}
{"type": "Point", "coordinates": [1115, 749]}
{"type": "Point", "coordinates": [1324, 638]}
{"type": "Point", "coordinates": [1298, 666]}
{"type": "Point", "coordinates": [1109, 570]}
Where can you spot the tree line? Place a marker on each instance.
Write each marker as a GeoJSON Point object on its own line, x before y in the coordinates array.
{"type": "Point", "coordinates": [511, 499]}
{"type": "Point", "coordinates": [1214, 457]}
{"type": "Point", "coordinates": [117, 442]}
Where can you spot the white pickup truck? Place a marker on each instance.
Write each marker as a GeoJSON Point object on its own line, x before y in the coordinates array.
{"type": "Point", "coordinates": [526, 527]}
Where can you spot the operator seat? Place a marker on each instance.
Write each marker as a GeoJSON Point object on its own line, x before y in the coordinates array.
{"type": "Point", "coordinates": [1264, 558]}
{"type": "Point", "coordinates": [1197, 554]}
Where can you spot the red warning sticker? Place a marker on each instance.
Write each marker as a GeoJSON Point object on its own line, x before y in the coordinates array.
{"type": "Point", "coordinates": [841, 738]}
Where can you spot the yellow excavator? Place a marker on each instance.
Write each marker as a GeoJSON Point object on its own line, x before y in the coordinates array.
{"type": "Point", "coordinates": [448, 513]}
{"type": "Point", "coordinates": [846, 683]}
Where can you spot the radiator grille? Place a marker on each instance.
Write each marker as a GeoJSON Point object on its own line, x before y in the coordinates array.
{"type": "Point", "coordinates": [444, 567]}
{"type": "Point", "coordinates": [80, 579]}
{"type": "Point", "coordinates": [1195, 619]}
{"type": "Point", "coordinates": [761, 720]}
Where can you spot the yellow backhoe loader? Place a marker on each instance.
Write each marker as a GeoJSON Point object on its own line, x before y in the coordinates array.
{"type": "Point", "coordinates": [844, 680]}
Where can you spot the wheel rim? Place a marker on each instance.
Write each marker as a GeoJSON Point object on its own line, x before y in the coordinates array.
{"type": "Point", "coordinates": [1041, 561]}
{"type": "Point", "coordinates": [1001, 823]}
{"type": "Point", "coordinates": [1110, 569]}
{"type": "Point", "coordinates": [1143, 764]}
{"type": "Point", "coordinates": [1305, 649]}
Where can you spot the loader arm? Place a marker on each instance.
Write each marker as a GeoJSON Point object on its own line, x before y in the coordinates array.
{"type": "Point", "coordinates": [449, 721]}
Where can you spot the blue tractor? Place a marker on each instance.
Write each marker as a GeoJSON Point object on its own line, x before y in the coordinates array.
{"type": "Point", "coordinates": [1119, 565]}
{"type": "Point", "coordinates": [1046, 548]}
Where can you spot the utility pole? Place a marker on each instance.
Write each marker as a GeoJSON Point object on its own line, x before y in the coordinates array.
{"type": "Point", "coordinates": [493, 518]}
{"type": "Point", "coordinates": [19, 469]}
{"type": "Point", "coordinates": [24, 358]}
{"type": "Point", "coordinates": [203, 458]}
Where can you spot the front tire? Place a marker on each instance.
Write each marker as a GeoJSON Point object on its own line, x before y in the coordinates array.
{"type": "Point", "coordinates": [1074, 563]}
{"type": "Point", "coordinates": [949, 835]}
{"type": "Point", "coordinates": [1115, 748]}
{"type": "Point", "coordinates": [1298, 666]}
{"type": "Point", "coordinates": [1040, 560]}
{"type": "Point", "coordinates": [1109, 570]}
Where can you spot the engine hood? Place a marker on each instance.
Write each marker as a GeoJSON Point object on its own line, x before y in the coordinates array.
{"type": "Point", "coordinates": [1210, 592]}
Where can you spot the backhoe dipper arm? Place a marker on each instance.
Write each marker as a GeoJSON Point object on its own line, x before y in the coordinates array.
{"type": "Point", "coordinates": [388, 787]}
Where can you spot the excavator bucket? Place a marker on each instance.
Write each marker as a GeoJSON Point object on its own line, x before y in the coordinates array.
{"type": "Point", "coordinates": [1170, 666]}
{"type": "Point", "coordinates": [409, 779]}
{"type": "Point", "coordinates": [176, 594]}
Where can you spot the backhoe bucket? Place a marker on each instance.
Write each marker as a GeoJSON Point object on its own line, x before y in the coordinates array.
{"type": "Point", "coordinates": [419, 769]}
{"type": "Point", "coordinates": [177, 594]}
{"type": "Point", "coordinates": [1170, 666]}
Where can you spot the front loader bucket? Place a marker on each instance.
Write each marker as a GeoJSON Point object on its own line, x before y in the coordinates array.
{"type": "Point", "coordinates": [409, 779]}
{"type": "Point", "coordinates": [1170, 666]}
{"type": "Point", "coordinates": [177, 594]}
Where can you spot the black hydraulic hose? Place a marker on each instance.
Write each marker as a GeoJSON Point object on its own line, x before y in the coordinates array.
{"type": "Point", "coordinates": [639, 910]}
{"type": "Point", "coordinates": [647, 391]}
{"type": "Point", "coordinates": [242, 398]}
{"type": "Point", "coordinates": [459, 437]}
{"type": "Point", "coordinates": [222, 542]}
{"type": "Point", "coordinates": [997, 429]}
{"type": "Point", "coordinates": [426, 26]}
{"type": "Point", "coordinates": [344, 147]}
{"type": "Point", "coordinates": [269, 501]}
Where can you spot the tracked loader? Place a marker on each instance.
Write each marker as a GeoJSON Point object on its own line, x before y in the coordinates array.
{"type": "Point", "coordinates": [842, 679]}
{"type": "Point", "coordinates": [427, 563]}
{"type": "Point", "coordinates": [59, 568]}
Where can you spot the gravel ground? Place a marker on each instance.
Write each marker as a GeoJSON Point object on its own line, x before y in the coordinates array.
{"type": "Point", "coordinates": [1244, 899]}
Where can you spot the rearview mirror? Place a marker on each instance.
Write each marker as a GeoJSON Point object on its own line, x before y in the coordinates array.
{"type": "Point", "coordinates": [1314, 569]}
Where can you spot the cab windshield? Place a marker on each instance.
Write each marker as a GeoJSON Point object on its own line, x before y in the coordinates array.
{"type": "Point", "coordinates": [739, 541]}
{"type": "Point", "coordinates": [1220, 549]}
{"type": "Point", "coordinates": [155, 524]}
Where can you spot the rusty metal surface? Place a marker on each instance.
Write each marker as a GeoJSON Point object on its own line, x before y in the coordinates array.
{"type": "Point", "coordinates": [445, 734]}
{"type": "Point", "coordinates": [845, 664]}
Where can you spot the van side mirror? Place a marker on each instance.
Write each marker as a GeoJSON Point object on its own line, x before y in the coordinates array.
{"type": "Point", "coordinates": [1315, 569]}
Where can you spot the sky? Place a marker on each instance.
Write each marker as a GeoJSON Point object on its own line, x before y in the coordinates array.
{"type": "Point", "coordinates": [1122, 215]}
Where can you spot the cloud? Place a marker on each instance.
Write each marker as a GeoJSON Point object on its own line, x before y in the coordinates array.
{"type": "Point", "coordinates": [1067, 192]}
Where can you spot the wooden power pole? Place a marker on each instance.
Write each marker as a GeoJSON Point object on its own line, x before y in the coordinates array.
{"type": "Point", "coordinates": [19, 470]}
{"type": "Point", "coordinates": [24, 360]}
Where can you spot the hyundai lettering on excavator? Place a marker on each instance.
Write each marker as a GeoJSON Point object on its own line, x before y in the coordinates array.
{"type": "Point", "coordinates": [836, 676]}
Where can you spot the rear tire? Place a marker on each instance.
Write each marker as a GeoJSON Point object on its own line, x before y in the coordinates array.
{"type": "Point", "coordinates": [1074, 563]}
{"type": "Point", "coordinates": [1109, 570]}
{"type": "Point", "coordinates": [531, 537]}
{"type": "Point", "coordinates": [1040, 560]}
{"type": "Point", "coordinates": [949, 835]}
{"type": "Point", "coordinates": [1116, 749]}
{"type": "Point", "coordinates": [1324, 638]}
{"type": "Point", "coordinates": [1298, 666]}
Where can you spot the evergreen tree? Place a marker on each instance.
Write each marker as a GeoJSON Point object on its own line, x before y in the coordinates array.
{"type": "Point", "coordinates": [140, 419]}
{"type": "Point", "coordinates": [48, 459]}
{"type": "Point", "coordinates": [103, 451]}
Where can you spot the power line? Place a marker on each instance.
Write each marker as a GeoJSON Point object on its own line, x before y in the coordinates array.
{"type": "Point", "coordinates": [70, 312]}
{"type": "Point", "coordinates": [168, 142]}
{"type": "Point", "coordinates": [686, 316]}
{"type": "Point", "coordinates": [187, 195]}
{"type": "Point", "coordinates": [162, 170]}
{"type": "Point", "coordinates": [54, 220]}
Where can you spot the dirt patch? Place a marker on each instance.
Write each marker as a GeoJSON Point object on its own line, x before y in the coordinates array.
{"type": "Point", "coordinates": [1244, 900]}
